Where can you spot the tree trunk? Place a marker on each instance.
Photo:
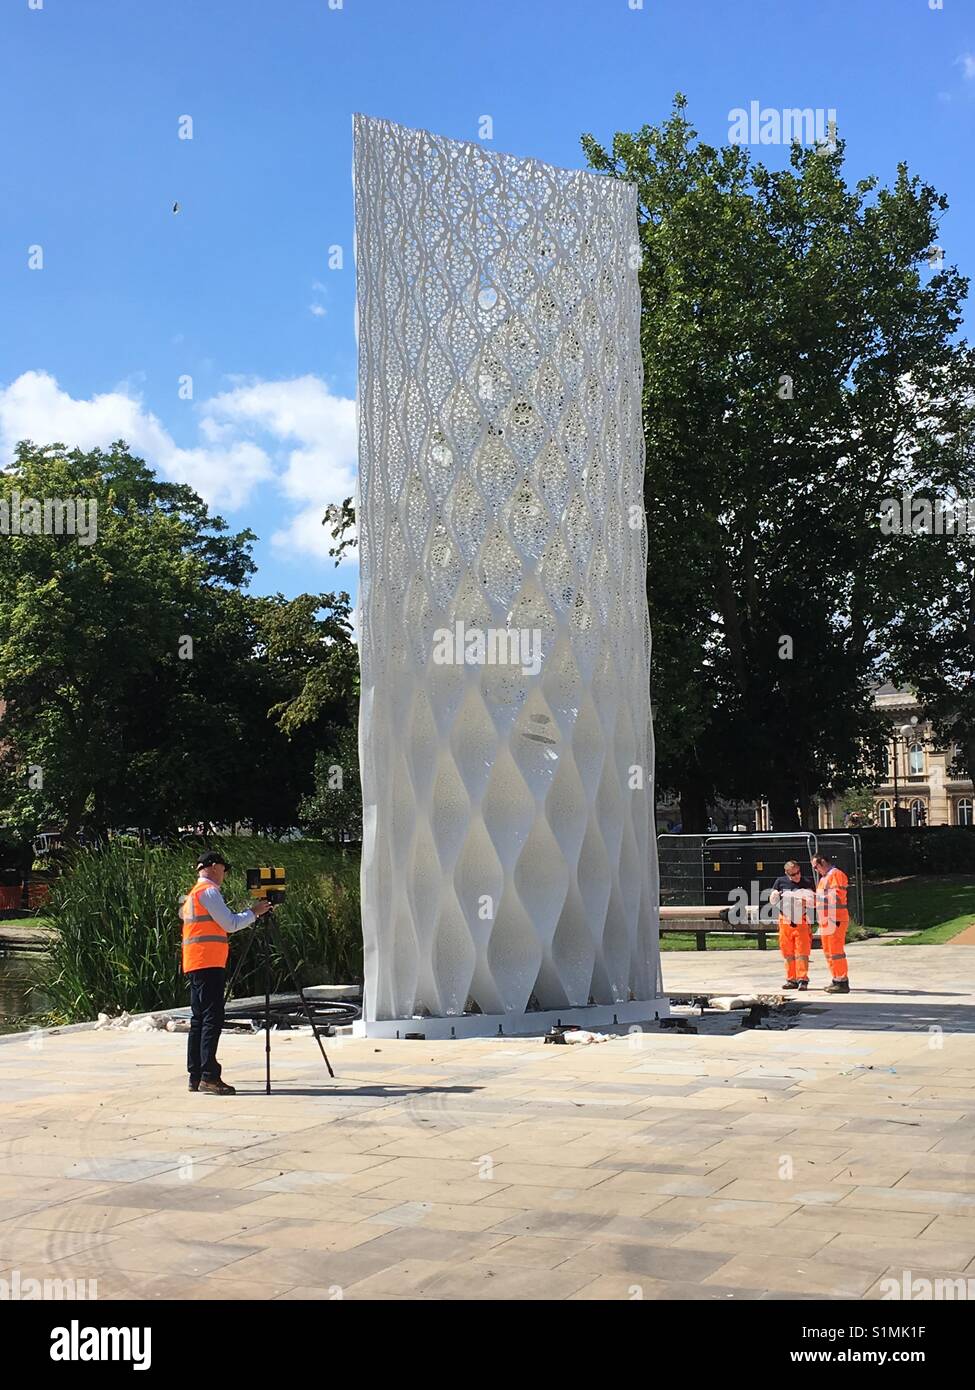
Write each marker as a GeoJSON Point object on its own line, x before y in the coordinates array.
{"type": "Point", "coordinates": [783, 811]}
{"type": "Point", "coordinates": [808, 808]}
{"type": "Point", "coordinates": [728, 605]}
{"type": "Point", "coordinates": [73, 813]}
{"type": "Point", "coordinates": [693, 806]}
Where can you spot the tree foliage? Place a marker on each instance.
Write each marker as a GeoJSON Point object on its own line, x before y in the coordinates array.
{"type": "Point", "coordinates": [931, 639]}
{"type": "Point", "coordinates": [142, 684]}
{"type": "Point", "coordinates": [800, 366]}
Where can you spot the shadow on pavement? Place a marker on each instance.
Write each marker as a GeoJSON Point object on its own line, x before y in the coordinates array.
{"type": "Point", "coordinates": [872, 1014]}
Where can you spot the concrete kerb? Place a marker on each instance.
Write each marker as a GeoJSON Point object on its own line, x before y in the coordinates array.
{"type": "Point", "coordinates": [53, 1032]}
{"type": "Point", "coordinates": [180, 1012]}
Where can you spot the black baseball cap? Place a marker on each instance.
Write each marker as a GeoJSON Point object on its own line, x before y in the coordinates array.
{"type": "Point", "coordinates": [209, 859]}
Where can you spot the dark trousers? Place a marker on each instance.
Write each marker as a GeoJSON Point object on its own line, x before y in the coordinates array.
{"type": "Point", "coordinates": [206, 1021]}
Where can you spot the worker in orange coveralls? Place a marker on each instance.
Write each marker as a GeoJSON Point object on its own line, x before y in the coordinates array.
{"type": "Point", "coordinates": [793, 893]}
{"type": "Point", "coordinates": [833, 919]}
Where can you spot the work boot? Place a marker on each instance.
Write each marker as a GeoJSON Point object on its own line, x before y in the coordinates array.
{"type": "Point", "coordinates": [802, 984]}
{"type": "Point", "coordinates": [194, 1085]}
{"type": "Point", "coordinates": [216, 1088]}
{"type": "Point", "coordinates": [791, 984]}
{"type": "Point", "coordinates": [838, 987]}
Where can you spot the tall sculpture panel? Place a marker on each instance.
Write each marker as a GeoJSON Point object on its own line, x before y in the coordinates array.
{"type": "Point", "coordinates": [508, 861]}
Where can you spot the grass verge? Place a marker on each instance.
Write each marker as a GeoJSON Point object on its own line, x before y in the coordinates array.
{"type": "Point", "coordinates": [937, 906]}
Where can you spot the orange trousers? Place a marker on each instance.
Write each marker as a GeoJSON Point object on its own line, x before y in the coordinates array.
{"type": "Point", "coordinates": [794, 943]}
{"type": "Point", "coordinates": [834, 949]}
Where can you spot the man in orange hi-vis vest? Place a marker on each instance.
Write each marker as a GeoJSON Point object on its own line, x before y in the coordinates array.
{"type": "Point", "coordinates": [207, 924]}
{"type": "Point", "coordinates": [833, 918]}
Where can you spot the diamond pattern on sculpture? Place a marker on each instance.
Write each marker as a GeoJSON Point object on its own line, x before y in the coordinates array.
{"type": "Point", "coordinates": [507, 846]}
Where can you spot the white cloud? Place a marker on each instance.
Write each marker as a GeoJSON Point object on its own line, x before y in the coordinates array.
{"type": "Point", "coordinates": [967, 61]}
{"type": "Point", "coordinates": [316, 308]}
{"type": "Point", "coordinates": [321, 465]}
{"type": "Point", "coordinates": [35, 407]}
{"type": "Point", "coordinates": [300, 423]}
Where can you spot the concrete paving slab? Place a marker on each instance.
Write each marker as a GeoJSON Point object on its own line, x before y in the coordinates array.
{"type": "Point", "coordinates": [653, 1166]}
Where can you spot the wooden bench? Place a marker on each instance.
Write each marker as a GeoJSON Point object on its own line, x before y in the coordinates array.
{"type": "Point", "coordinates": [702, 922]}
{"type": "Point", "coordinates": [702, 930]}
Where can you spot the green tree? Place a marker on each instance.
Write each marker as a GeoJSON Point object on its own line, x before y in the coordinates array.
{"type": "Point", "coordinates": [142, 685]}
{"type": "Point", "coordinates": [796, 349]}
{"type": "Point", "coordinates": [931, 638]}
{"type": "Point", "coordinates": [335, 806]}
{"type": "Point", "coordinates": [90, 633]}
{"type": "Point", "coordinates": [309, 669]}
{"type": "Point", "coordinates": [856, 806]}
{"type": "Point", "coordinates": [306, 641]}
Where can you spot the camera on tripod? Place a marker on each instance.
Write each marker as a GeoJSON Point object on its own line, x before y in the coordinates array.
{"type": "Point", "coordinates": [271, 884]}
{"type": "Point", "coordinates": [267, 883]}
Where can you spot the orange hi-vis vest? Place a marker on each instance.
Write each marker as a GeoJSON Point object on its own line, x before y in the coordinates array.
{"type": "Point", "coordinates": [831, 901]}
{"type": "Point", "coordinates": [206, 946]}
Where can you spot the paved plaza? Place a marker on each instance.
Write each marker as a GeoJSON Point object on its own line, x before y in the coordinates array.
{"type": "Point", "coordinates": [817, 1157]}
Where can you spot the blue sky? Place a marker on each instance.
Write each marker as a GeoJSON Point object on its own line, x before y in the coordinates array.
{"type": "Point", "coordinates": [236, 292]}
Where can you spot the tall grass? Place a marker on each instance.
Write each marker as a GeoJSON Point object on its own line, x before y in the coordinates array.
{"type": "Point", "coordinates": [116, 914]}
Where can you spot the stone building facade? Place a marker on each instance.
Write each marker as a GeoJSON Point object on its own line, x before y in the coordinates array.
{"type": "Point", "coordinates": [918, 778]}
{"type": "Point", "coordinates": [924, 788]}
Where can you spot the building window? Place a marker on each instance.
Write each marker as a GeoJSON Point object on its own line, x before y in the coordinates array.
{"type": "Point", "coordinates": [919, 815]}
{"type": "Point", "coordinates": [965, 812]}
{"type": "Point", "coordinates": [917, 758]}
{"type": "Point", "coordinates": [884, 816]}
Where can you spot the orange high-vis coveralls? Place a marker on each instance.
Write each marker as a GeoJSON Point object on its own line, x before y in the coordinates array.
{"type": "Point", "coordinates": [795, 933]}
{"type": "Point", "coordinates": [205, 943]}
{"type": "Point", "coordinates": [833, 917]}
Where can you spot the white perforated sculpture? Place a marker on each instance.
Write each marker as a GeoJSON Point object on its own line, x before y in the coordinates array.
{"type": "Point", "coordinates": [508, 859]}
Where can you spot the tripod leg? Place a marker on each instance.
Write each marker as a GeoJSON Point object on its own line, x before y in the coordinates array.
{"type": "Point", "coordinates": [304, 1002]}
{"type": "Point", "coordinates": [228, 992]}
{"type": "Point", "coordinates": [267, 1015]}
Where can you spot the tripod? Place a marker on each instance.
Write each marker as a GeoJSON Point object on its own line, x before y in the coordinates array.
{"type": "Point", "coordinates": [269, 927]}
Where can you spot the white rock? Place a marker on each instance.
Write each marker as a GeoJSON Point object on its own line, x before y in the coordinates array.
{"type": "Point", "coordinates": [148, 1024]}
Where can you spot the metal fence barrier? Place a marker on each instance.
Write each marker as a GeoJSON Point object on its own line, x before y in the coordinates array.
{"type": "Point", "coordinates": [710, 870]}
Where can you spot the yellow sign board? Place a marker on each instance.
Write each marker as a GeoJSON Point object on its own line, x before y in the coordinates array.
{"type": "Point", "coordinates": [265, 881]}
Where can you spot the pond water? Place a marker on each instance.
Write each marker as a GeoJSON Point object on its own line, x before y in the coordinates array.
{"type": "Point", "coordinates": [18, 971]}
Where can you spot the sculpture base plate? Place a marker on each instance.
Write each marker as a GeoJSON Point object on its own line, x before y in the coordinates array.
{"type": "Point", "coordinates": [515, 1025]}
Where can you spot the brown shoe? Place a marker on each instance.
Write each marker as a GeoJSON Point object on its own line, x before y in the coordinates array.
{"type": "Point", "coordinates": [194, 1085]}
{"type": "Point", "coordinates": [217, 1088]}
